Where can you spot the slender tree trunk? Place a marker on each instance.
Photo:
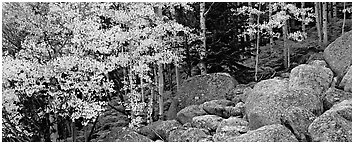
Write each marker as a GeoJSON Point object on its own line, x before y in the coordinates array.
{"type": "Point", "coordinates": [286, 49]}
{"type": "Point", "coordinates": [257, 45]}
{"type": "Point", "coordinates": [318, 23]}
{"type": "Point", "coordinates": [303, 28]}
{"type": "Point", "coordinates": [161, 84]}
{"type": "Point", "coordinates": [177, 78]}
{"type": "Point", "coordinates": [74, 131]}
{"type": "Point", "coordinates": [160, 76]}
{"type": "Point", "coordinates": [325, 33]}
{"type": "Point", "coordinates": [142, 89]}
{"type": "Point", "coordinates": [335, 10]}
{"type": "Point", "coordinates": [171, 69]}
{"type": "Point", "coordinates": [188, 61]}
{"type": "Point", "coordinates": [329, 11]}
{"type": "Point", "coordinates": [203, 31]}
{"type": "Point", "coordinates": [343, 19]}
{"type": "Point", "coordinates": [134, 102]}
{"type": "Point", "coordinates": [271, 29]}
{"type": "Point", "coordinates": [251, 20]}
{"type": "Point", "coordinates": [54, 135]}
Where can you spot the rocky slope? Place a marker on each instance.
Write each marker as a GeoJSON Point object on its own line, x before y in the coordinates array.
{"type": "Point", "coordinates": [313, 104]}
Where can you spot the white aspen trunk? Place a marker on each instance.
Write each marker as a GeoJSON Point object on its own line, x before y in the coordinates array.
{"type": "Point", "coordinates": [303, 17]}
{"type": "Point", "coordinates": [335, 10]}
{"type": "Point", "coordinates": [325, 33]}
{"type": "Point", "coordinates": [271, 29]}
{"type": "Point", "coordinates": [343, 19]}
{"type": "Point", "coordinates": [318, 22]}
{"type": "Point", "coordinates": [203, 69]}
{"type": "Point", "coordinates": [257, 45]}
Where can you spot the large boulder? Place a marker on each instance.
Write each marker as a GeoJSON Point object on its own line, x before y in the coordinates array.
{"type": "Point", "coordinates": [209, 122]}
{"type": "Point", "coordinates": [334, 96]}
{"type": "Point", "coordinates": [303, 98]}
{"type": "Point", "coordinates": [263, 104]}
{"type": "Point", "coordinates": [230, 127]}
{"type": "Point", "coordinates": [270, 105]}
{"type": "Point", "coordinates": [123, 134]}
{"type": "Point", "coordinates": [338, 54]}
{"type": "Point", "coordinates": [159, 129]}
{"type": "Point", "coordinates": [223, 108]}
{"type": "Point", "coordinates": [202, 88]}
{"type": "Point", "coordinates": [269, 133]}
{"type": "Point", "coordinates": [315, 77]}
{"type": "Point", "coordinates": [297, 120]}
{"type": "Point", "coordinates": [189, 135]}
{"type": "Point", "coordinates": [346, 82]}
{"type": "Point", "coordinates": [335, 125]}
{"type": "Point", "coordinates": [186, 115]}
{"type": "Point", "coordinates": [239, 93]}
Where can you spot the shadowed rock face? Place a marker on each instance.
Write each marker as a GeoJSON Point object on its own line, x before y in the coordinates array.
{"type": "Point", "coordinates": [338, 54]}
{"type": "Point", "coordinates": [346, 82]}
{"type": "Point", "coordinates": [202, 88]}
{"type": "Point", "coordinates": [269, 133]}
{"type": "Point", "coordinates": [334, 96]}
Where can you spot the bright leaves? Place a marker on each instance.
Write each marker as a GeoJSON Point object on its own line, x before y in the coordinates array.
{"type": "Point", "coordinates": [69, 47]}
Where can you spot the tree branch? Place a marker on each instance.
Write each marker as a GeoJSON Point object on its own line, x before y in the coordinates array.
{"type": "Point", "coordinates": [208, 9]}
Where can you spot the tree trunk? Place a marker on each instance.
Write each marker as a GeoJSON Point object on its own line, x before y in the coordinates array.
{"type": "Point", "coordinates": [286, 49]}
{"type": "Point", "coordinates": [325, 33]}
{"type": "Point", "coordinates": [160, 75]}
{"type": "Point", "coordinates": [318, 23]}
{"type": "Point", "coordinates": [251, 20]}
{"type": "Point", "coordinates": [188, 61]}
{"type": "Point", "coordinates": [202, 33]}
{"type": "Point", "coordinates": [343, 19]}
{"type": "Point", "coordinates": [54, 135]}
{"type": "Point", "coordinates": [74, 131]}
{"type": "Point", "coordinates": [271, 29]}
{"type": "Point", "coordinates": [335, 10]}
{"type": "Point", "coordinates": [142, 89]}
{"type": "Point", "coordinates": [329, 11]}
{"type": "Point", "coordinates": [303, 28]}
{"type": "Point", "coordinates": [257, 44]}
{"type": "Point", "coordinates": [177, 78]}
{"type": "Point", "coordinates": [161, 83]}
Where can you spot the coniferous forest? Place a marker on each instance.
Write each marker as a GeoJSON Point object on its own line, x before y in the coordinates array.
{"type": "Point", "coordinates": [176, 71]}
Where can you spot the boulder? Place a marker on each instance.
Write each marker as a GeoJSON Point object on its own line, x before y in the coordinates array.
{"type": "Point", "coordinates": [346, 82]}
{"type": "Point", "coordinates": [263, 105]}
{"type": "Point", "coordinates": [269, 106]}
{"type": "Point", "coordinates": [209, 122]}
{"type": "Point", "coordinates": [186, 115]}
{"type": "Point", "coordinates": [333, 96]}
{"type": "Point", "coordinates": [335, 125]}
{"type": "Point", "coordinates": [123, 134]}
{"type": "Point", "coordinates": [202, 88]}
{"type": "Point", "coordinates": [159, 129]}
{"type": "Point", "coordinates": [223, 108]}
{"type": "Point", "coordinates": [230, 127]}
{"type": "Point", "coordinates": [164, 129]}
{"type": "Point", "coordinates": [320, 63]}
{"type": "Point", "coordinates": [240, 94]}
{"type": "Point", "coordinates": [189, 135]}
{"type": "Point", "coordinates": [175, 135]}
{"type": "Point", "coordinates": [315, 77]}
{"type": "Point", "coordinates": [338, 54]}
{"type": "Point", "coordinates": [269, 133]}
{"type": "Point", "coordinates": [297, 120]}
{"type": "Point", "coordinates": [303, 98]}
